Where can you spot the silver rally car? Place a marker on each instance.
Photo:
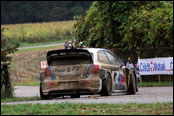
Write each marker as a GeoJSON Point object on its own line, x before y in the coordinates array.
{"type": "Point", "coordinates": [87, 71]}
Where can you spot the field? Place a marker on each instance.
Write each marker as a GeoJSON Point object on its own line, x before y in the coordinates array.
{"type": "Point", "coordinates": [88, 109]}
{"type": "Point", "coordinates": [25, 66]}
{"type": "Point", "coordinates": [38, 32]}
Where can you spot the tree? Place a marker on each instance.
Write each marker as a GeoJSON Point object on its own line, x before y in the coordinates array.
{"type": "Point", "coordinates": [129, 25]}
{"type": "Point", "coordinates": [150, 27]}
{"type": "Point", "coordinates": [6, 49]}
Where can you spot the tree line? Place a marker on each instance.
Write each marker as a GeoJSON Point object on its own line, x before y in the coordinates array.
{"type": "Point", "coordinates": [127, 25]}
{"type": "Point", "coordinates": [13, 12]}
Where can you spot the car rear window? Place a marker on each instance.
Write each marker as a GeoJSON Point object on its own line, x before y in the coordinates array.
{"type": "Point", "coordinates": [68, 57]}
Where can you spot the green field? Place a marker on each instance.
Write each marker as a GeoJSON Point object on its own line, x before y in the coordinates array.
{"type": "Point", "coordinates": [88, 109]}
{"type": "Point", "coordinates": [29, 33]}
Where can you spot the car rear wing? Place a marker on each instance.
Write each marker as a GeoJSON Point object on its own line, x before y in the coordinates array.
{"type": "Point", "coordinates": [68, 57]}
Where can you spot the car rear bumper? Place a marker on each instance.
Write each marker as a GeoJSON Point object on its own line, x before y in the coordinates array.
{"type": "Point", "coordinates": [69, 87]}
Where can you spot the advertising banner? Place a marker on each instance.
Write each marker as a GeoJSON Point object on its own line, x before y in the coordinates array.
{"type": "Point", "coordinates": [156, 66]}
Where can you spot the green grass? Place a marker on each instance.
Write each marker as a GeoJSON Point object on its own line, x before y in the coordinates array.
{"type": "Point", "coordinates": [36, 44]}
{"type": "Point", "coordinates": [40, 48]}
{"type": "Point", "coordinates": [16, 99]}
{"type": "Point", "coordinates": [155, 84]}
{"type": "Point", "coordinates": [27, 84]}
{"type": "Point", "coordinates": [88, 109]}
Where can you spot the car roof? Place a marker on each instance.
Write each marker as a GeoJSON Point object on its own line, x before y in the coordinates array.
{"type": "Point", "coordinates": [94, 50]}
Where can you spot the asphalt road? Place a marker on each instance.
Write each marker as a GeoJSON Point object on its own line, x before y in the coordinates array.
{"type": "Point", "coordinates": [38, 46]}
{"type": "Point", "coordinates": [145, 95]}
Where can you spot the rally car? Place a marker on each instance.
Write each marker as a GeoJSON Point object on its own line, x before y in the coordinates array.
{"type": "Point", "coordinates": [85, 71]}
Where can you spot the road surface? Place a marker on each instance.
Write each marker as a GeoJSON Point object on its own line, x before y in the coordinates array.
{"type": "Point", "coordinates": [145, 95]}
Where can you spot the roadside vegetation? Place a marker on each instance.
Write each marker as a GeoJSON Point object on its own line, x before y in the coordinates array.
{"type": "Point", "coordinates": [155, 84]}
{"type": "Point", "coordinates": [42, 43]}
{"type": "Point", "coordinates": [26, 84]}
{"type": "Point", "coordinates": [88, 109]}
{"type": "Point", "coordinates": [6, 49]}
{"type": "Point", "coordinates": [19, 99]}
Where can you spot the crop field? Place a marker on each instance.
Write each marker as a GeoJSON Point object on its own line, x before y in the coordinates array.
{"type": "Point", "coordinates": [38, 32]}
{"type": "Point", "coordinates": [26, 64]}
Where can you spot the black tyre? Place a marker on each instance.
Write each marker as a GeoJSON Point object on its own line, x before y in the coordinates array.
{"type": "Point", "coordinates": [75, 96]}
{"type": "Point", "coordinates": [106, 86]}
{"type": "Point", "coordinates": [132, 85]}
{"type": "Point", "coordinates": [42, 96]}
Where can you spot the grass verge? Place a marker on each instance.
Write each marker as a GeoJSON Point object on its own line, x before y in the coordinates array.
{"type": "Point", "coordinates": [17, 99]}
{"type": "Point", "coordinates": [40, 48]}
{"type": "Point", "coordinates": [88, 109]}
{"type": "Point", "coordinates": [155, 84]}
{"type": "Point", "coordinates": [27, 84]}
{"type": "Point", "coordinates": [37, 44]}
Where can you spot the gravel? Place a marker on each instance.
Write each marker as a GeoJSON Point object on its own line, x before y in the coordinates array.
{"type": "Point", "coordinates": [145, 95]}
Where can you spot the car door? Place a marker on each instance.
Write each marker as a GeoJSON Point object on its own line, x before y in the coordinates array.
{"type": "Point", "coordinates": [119, 78]}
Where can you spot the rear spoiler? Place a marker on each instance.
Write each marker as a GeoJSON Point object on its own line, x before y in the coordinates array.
{"type": "Point", "coordinates": [69, 56]}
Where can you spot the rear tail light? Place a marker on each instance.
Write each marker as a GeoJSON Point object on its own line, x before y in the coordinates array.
{"type": "Point", "coordinates": [47, 72]}
{"type": "Point", "coordinates": [93, 69]}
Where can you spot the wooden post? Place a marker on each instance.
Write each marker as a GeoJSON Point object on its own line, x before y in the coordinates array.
{"type": "Point", "coordinates": [159, 78]}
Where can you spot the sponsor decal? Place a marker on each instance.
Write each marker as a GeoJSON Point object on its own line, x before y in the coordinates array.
{"type": "Point", "coordinates": [121, 81]}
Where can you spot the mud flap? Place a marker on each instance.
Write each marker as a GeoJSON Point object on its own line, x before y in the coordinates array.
{"type": "Point", "coordinates": [41, 76]}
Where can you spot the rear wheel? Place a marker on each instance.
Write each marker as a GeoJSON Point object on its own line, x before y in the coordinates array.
{"type": "Point", "coordinates": [132, 85]}
{"type": "Point", "coordinates": [106, 86]}
{"type": "Point", "coordinates": [42, 96]}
